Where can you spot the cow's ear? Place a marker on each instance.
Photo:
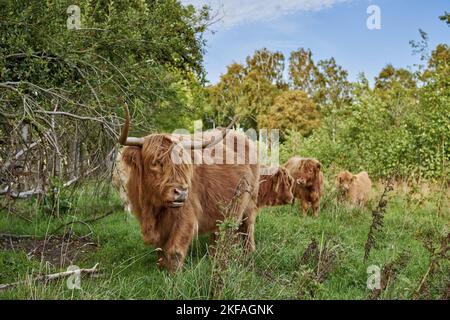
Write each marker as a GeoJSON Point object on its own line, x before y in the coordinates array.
{"type": "Point", "coordinates": [132, 157]}
{"type": "Point", "coordinates": [318, 166]}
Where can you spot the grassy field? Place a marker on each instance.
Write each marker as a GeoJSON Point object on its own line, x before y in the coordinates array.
{"type": "Point", "coordinates": [296, 257]}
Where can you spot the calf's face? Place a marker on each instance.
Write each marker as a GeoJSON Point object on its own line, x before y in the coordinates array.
{"type": "Point", "coordinates": [307, 173]}
{"type": "Point", "coordinates": [344, 180]}
{"type": "Point", "coordinates": [285, 185]}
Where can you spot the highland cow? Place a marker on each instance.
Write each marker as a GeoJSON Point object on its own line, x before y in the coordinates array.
{"type": "Point", "coordinates": [275, 188]}
{"type": "Point", "coordinates": [175, 200]}
{"type": "Point", "coordinates": [355, 188]}
{"type": "Point", "coordinates": [308, 187]}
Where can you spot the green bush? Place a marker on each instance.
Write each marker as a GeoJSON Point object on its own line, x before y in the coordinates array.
{"type": "Point", "coordinates": [398, 134]}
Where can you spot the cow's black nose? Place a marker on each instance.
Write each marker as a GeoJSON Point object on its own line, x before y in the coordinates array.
{"type": "Point", "coordinates": [181, 194]}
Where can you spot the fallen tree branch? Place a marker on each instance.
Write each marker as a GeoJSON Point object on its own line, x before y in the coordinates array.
{"type": "Point", "coordinates": [21, 195]}
{"type": "Point", "coordinates": [51, 277]}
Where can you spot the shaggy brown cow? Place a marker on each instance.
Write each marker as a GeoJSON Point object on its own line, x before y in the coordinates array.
{"type": "Point", "coordinates": [175, 201]}
{"type": "Point", "coordinates": [355, 188]}
{"type": "Point", "coordinates": [119, 179]}
{"type": "Point", "coordinates": [275, 188]}
{"type": "Point", "coordinates": [308, 182]}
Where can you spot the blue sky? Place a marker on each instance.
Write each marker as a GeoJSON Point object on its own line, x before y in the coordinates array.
{"type": "Point", "coordinates": [330, 28]}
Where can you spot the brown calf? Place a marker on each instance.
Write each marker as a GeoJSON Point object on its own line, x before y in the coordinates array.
{"type": "Point", "coordinates": [275, 187]}
{"type": "Point", "coordinates": [355, 188]}
{"type": "Point", "coordinates": [308, 182]}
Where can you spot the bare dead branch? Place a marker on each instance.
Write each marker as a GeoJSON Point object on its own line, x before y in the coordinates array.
{"type": "Point", "coordinates": [68, 114]}
{"type": "Point", "coordinates": [51, 277]}
{"type": "Point", "coordinates": [21, 195]}
{"type": "Point", "coordinates": [22, 152]}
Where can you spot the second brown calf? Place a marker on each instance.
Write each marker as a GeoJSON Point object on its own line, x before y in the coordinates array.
{"type": "Point", "coordinates": [275, 187]}
{"type": "Point", "coordinates": [308, 176]}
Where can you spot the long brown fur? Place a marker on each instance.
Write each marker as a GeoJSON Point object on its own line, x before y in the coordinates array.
{"type": "Point", "coordinates": [276, 188]}
{"type": "Point", "coordinates": [308, 176]}
{"type": "Point", "coordinates": [210, 187]}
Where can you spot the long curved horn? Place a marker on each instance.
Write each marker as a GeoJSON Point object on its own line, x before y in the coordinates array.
{"type": "Point", "coordinates": [212, 142]}
{"type": "Point", "coordinates": [124, 139]}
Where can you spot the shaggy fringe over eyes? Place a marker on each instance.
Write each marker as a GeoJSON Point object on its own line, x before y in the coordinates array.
{"type": "Point", "coordinates": [284, 178]}
{"type": "Point", "coordinates": [157, 149]}
{"type": "Point", "coordinates": [343, 176]}
{"type": "Point", "coordinates": [307, 164]}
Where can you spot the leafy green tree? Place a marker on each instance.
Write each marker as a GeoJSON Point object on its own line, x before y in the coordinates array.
{"type": "Point", "coordinates": [398, 89]}
{"type": "Point", "coordinates": [59, 86]}
{"type": "Point", "coordinates": [292, 110]}
{"type": "Point", "coordinates": [333, 87]}
{"type": "Point", "coordinates": [249, 90]}
{"type": "Point", "coordinates": [439, 62]}
{"type": "Point", "coordinates": [398, 129]}
{"type": "Point", "coordinates": [325, 82]}
{"type": "Point", "coordinates": [390, 78]}
{"type": "Point", "coordinates": [259, 96]}
{"type": "Point", "coordinates": [226, 97]}
{"type": "Point", "coordinates": [303, 71]}
{"type": "Point", "coordinates": [268, 65]}
{"type": "Point", "coordinates": [137, 49]}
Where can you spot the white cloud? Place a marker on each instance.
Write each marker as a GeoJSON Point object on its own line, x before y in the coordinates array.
{"type": "Point", "coordinates": [237, 12]}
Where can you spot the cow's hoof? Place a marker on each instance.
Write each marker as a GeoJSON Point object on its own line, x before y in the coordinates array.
{"type": "Point", "coordinates": [170, 262]}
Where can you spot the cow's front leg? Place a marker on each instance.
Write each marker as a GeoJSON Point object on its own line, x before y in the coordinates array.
{"type": "Point", "coordinates": [247, 228]}
{"type": "Point", "coordinates": [315, 203]}
{"type": "Point", "coordinates": [305, 206]}
{"type": "Point", "coordinates": [176, 248]}
{"type": "Point", "coordinates": [315, 208]}
{"type": "Point", "coordinates": [148, 230]}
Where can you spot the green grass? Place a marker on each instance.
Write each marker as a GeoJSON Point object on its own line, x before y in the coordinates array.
{"type": "Point", "coordinates": [274, 271]}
